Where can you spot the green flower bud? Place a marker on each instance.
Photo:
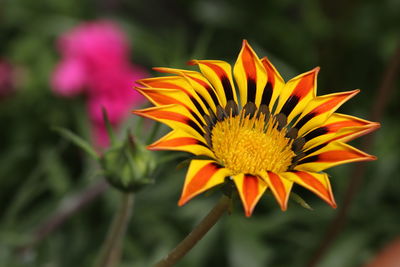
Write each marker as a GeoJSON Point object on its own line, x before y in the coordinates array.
{"type": "Point", "coordinates": [128, 166]}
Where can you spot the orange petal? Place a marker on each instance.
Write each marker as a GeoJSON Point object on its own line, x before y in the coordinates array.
{"type": "Point", "coordinates": [339, 127]}
{"type": "Point", "coordinates": [161, 97]}
{"type": "Point", "coordinates": [318, 183]}
{"type": "Point", "coordinates": [296, 94]}
{"type": "Point", "coordinates": [330, 155]}
{"type": "Point", "coordinates": [274, 84]}
{"type": "Point", "coordinates": [168, 82]}
{"type": "Point", "coordinates": [202, 175]}
{"type": "Point", "coordinates": [280, 187]}
{"type": "Point", "coordinates": [250, 189]}
{"type": "Point", "coordinates": [218, 73]}
{"type": "Point", "coordinates": [199, 84]}
{"type": "Point", "coordinates": [181, 141]}
{"type": "Point", "coordinates": [250, 75]}
{"type": "Point", "coordinates": [320, 108]}
{"type": "Point", "coordinates": [175, 116]}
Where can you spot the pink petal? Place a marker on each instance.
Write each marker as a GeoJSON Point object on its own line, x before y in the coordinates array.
{"type": "Point", "coordinates": [69, 77]}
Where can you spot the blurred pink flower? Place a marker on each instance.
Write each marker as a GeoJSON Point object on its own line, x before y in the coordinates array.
{"type": "Point", "coordinates": [69, 77]}
{"type": "Point", "coordinates": [7, 81]}
{"type": "Point", "coordinates": [95, 62]}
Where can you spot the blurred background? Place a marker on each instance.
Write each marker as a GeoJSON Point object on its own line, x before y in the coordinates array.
{"type": "Point", "coordinates": [55, 208]}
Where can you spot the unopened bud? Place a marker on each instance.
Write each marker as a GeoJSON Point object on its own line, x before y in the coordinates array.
{"type": "Point", "coordinates": [128, 166]}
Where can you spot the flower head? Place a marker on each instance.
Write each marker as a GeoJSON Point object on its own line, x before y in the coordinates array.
{"type": "Point", "coordinates": [95, 62]}
{"type": "Point", "coordinates": [267, 134]}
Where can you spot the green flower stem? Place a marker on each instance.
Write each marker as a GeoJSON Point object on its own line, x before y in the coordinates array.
{"type": "Point", "coordinates": [111, 250]}
{"type": "Point", "coordinates": [198, 232]}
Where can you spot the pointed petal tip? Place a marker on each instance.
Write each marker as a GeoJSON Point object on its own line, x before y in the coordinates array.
{"type": "Point", "coordinates": [331, 201]}
{"type": "Point", "coordinates": [283, 207]}
{"type": "Point", "coordinates": [375, 125]}
{"type": "Point", "coordinates": [182, 201]}
{"type": "Point", "coordinates": [316, 69]}
{"type": "Point", "coordinates": [370, 127]}
{"type": "Point", "coordinates": [166, 70]}
{"type": "Point", "coordinates": [367, 157]}
{"type": "Point", "coordinates": [245, 43]}
{"type": "Point", "coordinates": [151, 147]}
{"type": "Point", "coordinates": [140, 88]}
{"type": "Point", "coordinates": [192, 62]}
{"type": "Point", "coordinates": [141, 113]}
{"type": "Point", "coordinates": [354, 92]}
{"type": "Point", "coordinates": [159, 69]}
{"type": "Point", "coordinates": [248, 213]}
{"type": "Point", "coordinates": [141, 82]}
{"type": "Point", "coordinates": [348, 94]}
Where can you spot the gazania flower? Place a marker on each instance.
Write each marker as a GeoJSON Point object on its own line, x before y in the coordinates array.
{"type": "Point", "coordinates": [267, 134]}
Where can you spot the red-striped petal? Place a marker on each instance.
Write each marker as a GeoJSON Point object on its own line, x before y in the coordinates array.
{"type": "Point", "coordinates": [319, 109]}
{"type": "Point", "coordinates": [175, 116]}
{"type": "Point", "coordinates": [339, 127]}
{"type": "Point", "coordinates": [202, 175]}
{"type": "Point", "coordinates": [250, 75]}
{"type": "Point", "coordinates": [318, 183]}
{"type": "Point", "coordinates": [218, 73]}
{"type": "Point", "coordinates": [274, 84]}
{"type": "Point", "coordinates": [280, 187]}
{"type": "Point", "coordinates": [297, 93]}
{"type": "Point", "coordinates": [330, 155]}
{"type": "Point", "coordinates": [250, 189]}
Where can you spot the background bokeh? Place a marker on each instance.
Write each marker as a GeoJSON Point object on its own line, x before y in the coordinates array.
{"type": "Point", "coordinates": [356, 44]}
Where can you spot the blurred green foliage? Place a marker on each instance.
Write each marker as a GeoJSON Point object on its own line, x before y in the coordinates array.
{"type": "Point", "coordinates": [352, 41]}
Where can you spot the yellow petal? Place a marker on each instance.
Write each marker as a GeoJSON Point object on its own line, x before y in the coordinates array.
{"type": "Point", "coordinates": [200, 85]}
{"type": "Point", "coordinates": [250, 75]}
{"type": "Point", "coordinates": [317, 183]}
{"type": "Point", "coordinates": [202, 175]}
{"type": "Point", "coordinates": [297, 93]}
{"type": "Point", "coordinates": [320, 108]}
{"type": "Point", "coordinates": [162, 97]}
{"type": "Point", "coordinates": [279, 186]}
{"type": "Point", "coordinates": [175, 116]}
{"type": "Point", "coordinates": [274, 84]}
{"type": "Point", "coordinates": [167, 82]}
{"type": "Point", "coordinates": [330, 155]}
{"type": "Point", "coordinates": [218, 73]}
{"type": "Point", "coordinates": [178, 83]}
{"type": "Point", "coordinates": [250, 189]}
{"type": "Point", "coordinates": [339, 127]}
{"type": "Point", "coordinates": [179, 140]}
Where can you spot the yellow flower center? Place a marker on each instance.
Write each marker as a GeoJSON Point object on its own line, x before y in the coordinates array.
{"type": "Point", "coordinates": [252, 145]}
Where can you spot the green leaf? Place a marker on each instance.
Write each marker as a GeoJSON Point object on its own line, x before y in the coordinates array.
{"type": "Point", "coordinates": [77, 140]}
{"type": "Point", "coordinates": [109, 128]}
{"type": "Point", "coordinates": [300, 200]}
{"type": "Point", "coordinates": [58, 179]}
